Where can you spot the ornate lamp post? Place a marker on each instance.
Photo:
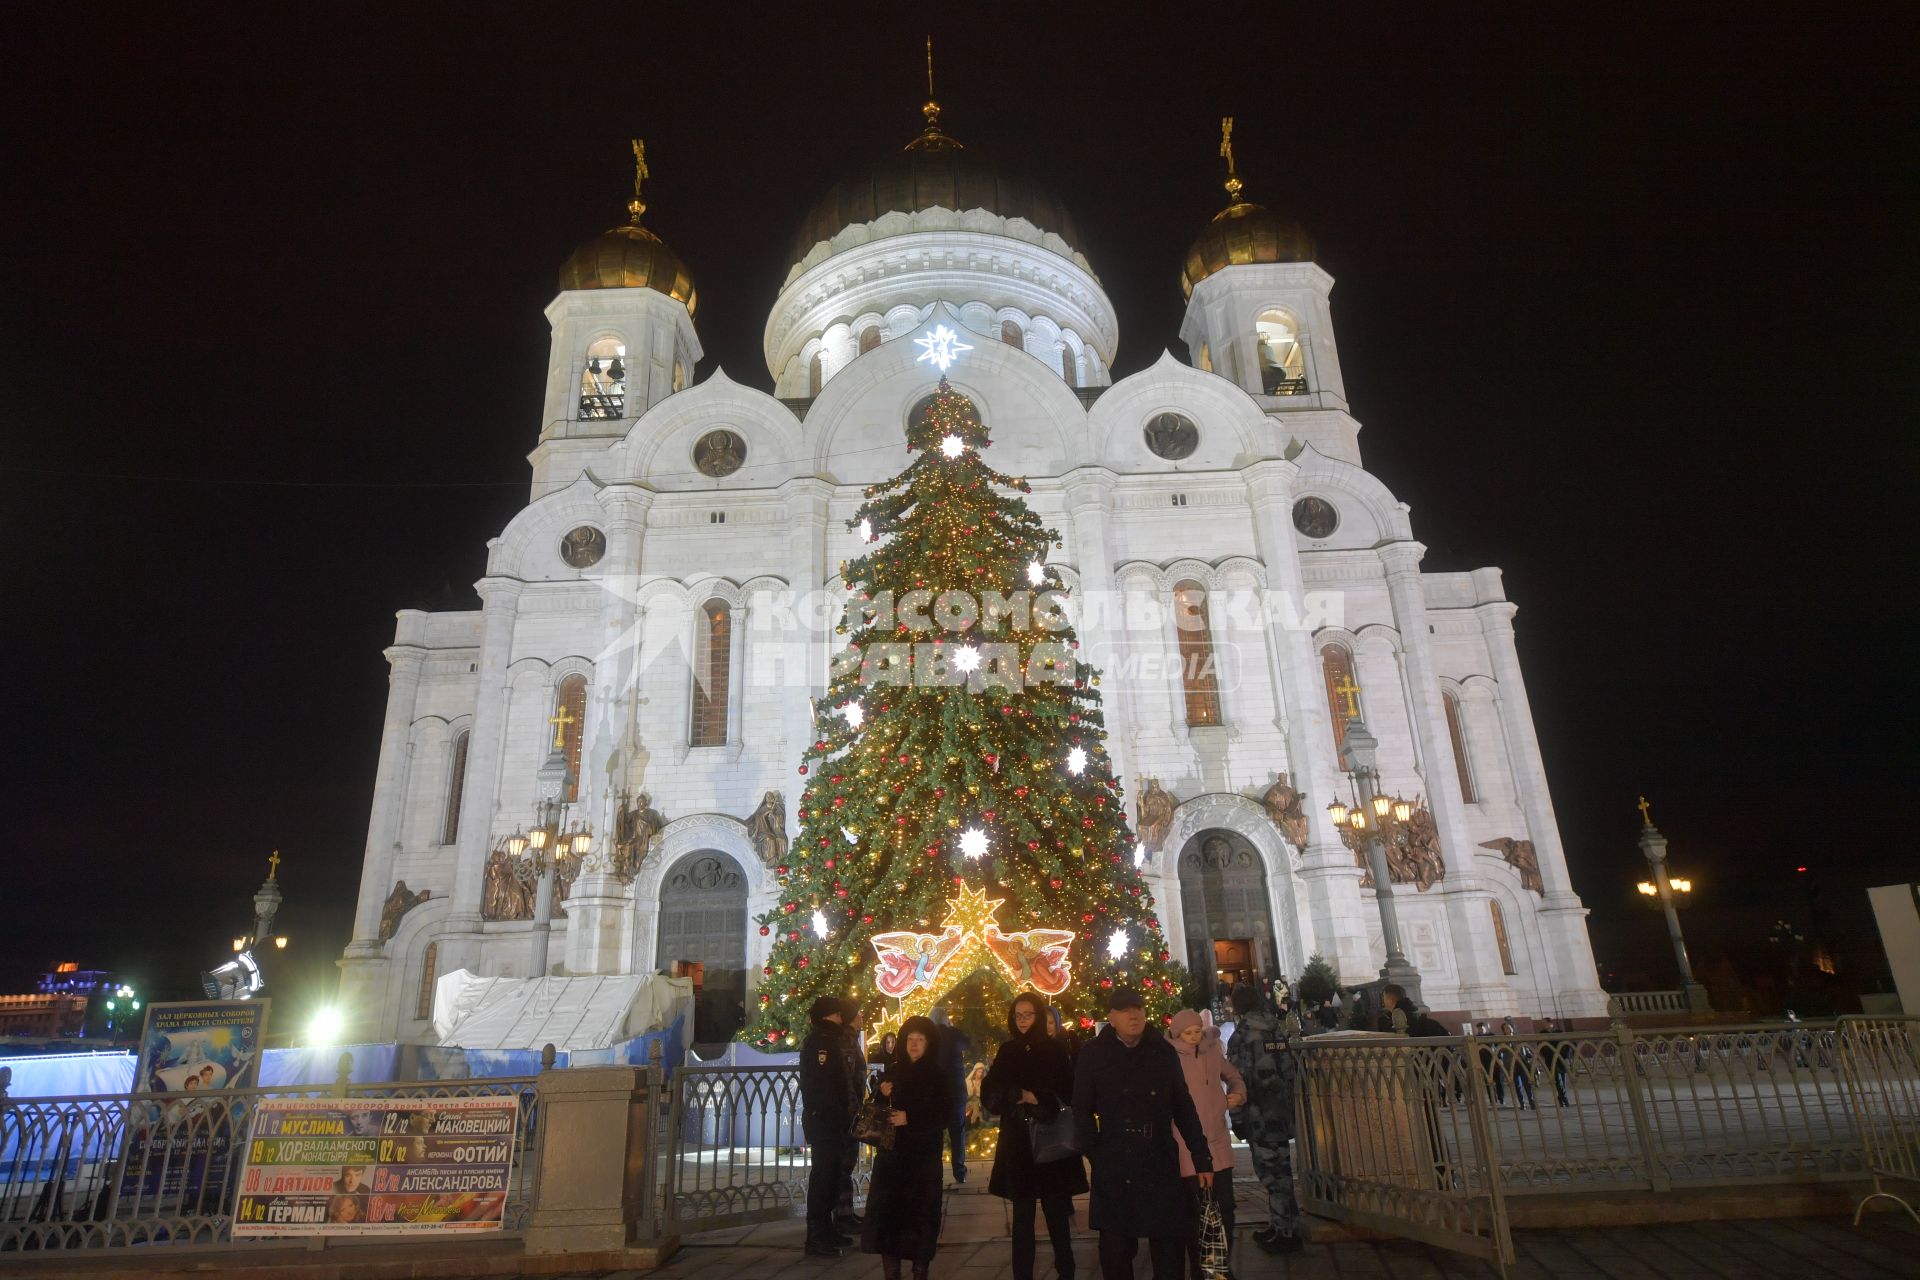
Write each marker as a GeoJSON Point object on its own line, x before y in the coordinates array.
{"type": "Point", "coordinates": [540, 852]}
{"type": "Point", "coordinates": [1368, 826]}
{"type": "Point", "coordinates": [1654, 846]}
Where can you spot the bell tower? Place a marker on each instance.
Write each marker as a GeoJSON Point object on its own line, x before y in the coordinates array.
{"type": "Point", "coordinates": [623, 339]}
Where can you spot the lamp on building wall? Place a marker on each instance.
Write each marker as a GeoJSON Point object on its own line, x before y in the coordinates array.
{"type": "Point", "coordinates": [1367, 826]}
{"type": "Point", "coordinates": [550, 845]}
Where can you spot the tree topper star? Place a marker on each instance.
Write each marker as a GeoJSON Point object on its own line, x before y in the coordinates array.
{"type": "Point", "coordinates": [941, 347]}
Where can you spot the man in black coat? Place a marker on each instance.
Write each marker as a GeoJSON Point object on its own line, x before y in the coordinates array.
{"type": "Point", "coordinates": [855, 1048]}
{"type": "Point", "coordinates": [1128, 1095]}
{"type": "Point", "coordinates": [826, 1117]}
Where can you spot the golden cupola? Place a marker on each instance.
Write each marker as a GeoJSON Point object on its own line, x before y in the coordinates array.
{"type": "Point", "coordinates": [630, 256]}
{"type": "Point", "coordinates": [1241, 233]}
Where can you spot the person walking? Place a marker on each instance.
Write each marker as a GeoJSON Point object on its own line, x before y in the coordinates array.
{"type": "Point", "coordinates": [1261, 1053]}
{"type": "Point", "coordinates": [1554, 1056]}
{"type": "Point", "coordinates": [1517, 1060]}
{"type": "Point", "coordinates": [953, 1056]}
{"type": "Point", "coordinates": [1032, 1078]}
{"type": "Point", "coordinates": [845, 1219]}
{"type": "Point", "coordinates": [1129, 1095]}
{"type": "Point", "coordinates": [826, 1118]}
{"type": "Point", "coordinates": [1216, 1087]}
{"type": "Point", "coordinates": [1393, 1009]}
{"type": "Point", "coordinates": [904, 1198]}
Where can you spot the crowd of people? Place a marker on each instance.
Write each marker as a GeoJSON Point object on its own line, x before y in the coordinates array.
{"type": "Point", "coordinates": [1152, 1114]}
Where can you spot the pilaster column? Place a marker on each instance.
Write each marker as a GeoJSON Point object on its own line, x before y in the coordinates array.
{"type": "Point", "coordinates": [608, 742]}
{"type": "Point", "coordinates": [1327, 867]}
{"type": "Point", "coordinates": [405, 657]}
{"type": "Point", "coordinates": [1102, 614]}
{"type": "Point", "coordinates": [1523, 745]}
{"type": "Point", "coordinates": [499, 611]}
{"type": "Point", "coordinates": [808, 502]}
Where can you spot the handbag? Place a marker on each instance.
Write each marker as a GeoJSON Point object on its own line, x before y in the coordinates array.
{"type": "Point", "coordinates": [1052, 1138]}
{"type": "Point", "coordinates": [873, 1124]}
{"type": "Point", "coordinates": [1213, 1241]}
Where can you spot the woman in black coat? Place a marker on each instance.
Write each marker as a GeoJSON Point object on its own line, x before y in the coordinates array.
{"type": "Point", "coordinates": [1032, 1076]}
{"type": "Point", "coordinates": [903, 1201]}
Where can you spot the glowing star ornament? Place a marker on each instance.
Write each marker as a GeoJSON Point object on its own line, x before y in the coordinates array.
{"type": "Point", "coordinates": [1117, 944]}
{"type": "Point", "coordinates": [1077, 760]}
{"type": "Point", "coordinates": [866, 531]}
{"type": "Point", "coordinates": [940, 348]}
{"type": "Point", "coordinates": [1035, 574]}
{"type": "Point", "coordinates": [855, 714]}
{"type": "Point", "coordinates": [1139, 856]}
{"type": "Point", "coordinates": [973, 844]}
{"type": "Point", "coordinates": [952, 446]}
{"type": "Point", "coordinates": [966, 658]}
{"type": "Point", "coordinates": [819, 924]}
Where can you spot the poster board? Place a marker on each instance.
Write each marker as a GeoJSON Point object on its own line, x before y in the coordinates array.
{"type": "Point", "coordinates": [179, 1149]}
{"type": "Point", "coordinates": [377, 1166]}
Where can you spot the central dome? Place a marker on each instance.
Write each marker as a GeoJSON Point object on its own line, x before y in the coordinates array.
{"type": "Point", "coordinates": [933, 171]}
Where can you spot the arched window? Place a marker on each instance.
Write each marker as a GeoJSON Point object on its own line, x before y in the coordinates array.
{"type": "Point", "coordinates": [1198, 676]}
{"type": "Point", "coordinates": [869, 338]}
{"type": "Point", "coordinates": [1011, 335]}
{"type": "Point", "coordinates": [603, 380]}
{"type": "Point", "coordinates": [1457, 731]}
{"type": "Point", "coordinates": [1283, 361]}
{"type": "Point", "coordinates": [712, 660]}
{"type": "Point", "coordinates": [1500, 938]}
{"type": "Point", "coordinates": [815, 369]}
{"type": "Point", "coordinates": [1069, 366]}
{"type": "Point", "coordinates": [1336, 662]}
{"type": "Point", "coordinates": [570, 719]}
{"type": "Point", "coordinates": [456, 790]}
{"type": "Point", "coordinates": [429, 973]}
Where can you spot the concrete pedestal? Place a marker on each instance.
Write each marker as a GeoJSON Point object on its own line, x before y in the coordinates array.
{"type": "Point", "coordinates": [594, 1160]}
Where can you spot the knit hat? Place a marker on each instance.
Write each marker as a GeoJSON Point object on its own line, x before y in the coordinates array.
{"type": "Point", "coordinates": [1184, 1019]}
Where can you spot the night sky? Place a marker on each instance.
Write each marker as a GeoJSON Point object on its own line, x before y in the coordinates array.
{"type": "Point", "coordinates": [1624, 303]}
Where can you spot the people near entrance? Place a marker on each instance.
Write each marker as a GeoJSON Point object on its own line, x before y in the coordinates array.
{"type": "Point", "coordinates": [1393, 1009]}
{"type": "Point", "coordinates": [855, 1051]}
{"type": "Point", "coordinates": [1129, 1095]}
{"type": "Point", "coordinates": [1262, 1053]}
{"type": "Point", "coordinates": [903, 1201]}
{"type": "Point", "coordinates": [1216, 1088]}
{"type": "Point", "coordinates": [826, 1118]}
{"type": "Point", "coordinates": [1032, 1079]}
{"type": "Point", "coordinates": [953, 1056]}
{"type": "Point", "coordinates": [1555, 1057]}
{"type": "Point", "coordinates": [1516, 1063]}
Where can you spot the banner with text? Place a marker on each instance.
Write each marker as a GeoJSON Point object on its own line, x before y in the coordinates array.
{"type": "Point", "coordinates": [377, 1166]}
{"type": "Point", "coordinates": [179, 1149]}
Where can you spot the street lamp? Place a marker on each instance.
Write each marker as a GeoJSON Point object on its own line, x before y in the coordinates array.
{"type": "Point", "coordinates": [1653, 846]}
{"type": "Point", "coordinates": [1678, 884]}
{"type": "Point", "coordinates": [540, 853]}
{"type": "Point", "coordinates": [1368, 826]}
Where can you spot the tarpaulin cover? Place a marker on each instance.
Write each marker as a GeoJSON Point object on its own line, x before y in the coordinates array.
{"type": "Point", "coordinates": [70, 1075]}
{"type": "Point", "coordinates": [372, 1064]}
{"type": "Point", "coordinates": [574, 1013]}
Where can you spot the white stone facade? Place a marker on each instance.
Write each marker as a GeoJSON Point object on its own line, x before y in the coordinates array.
{"type": "Point", "coordinates": [769, 536]}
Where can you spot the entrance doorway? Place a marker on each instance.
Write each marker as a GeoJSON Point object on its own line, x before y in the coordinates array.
{"type": "Point", "coordinates": [1223, 903]}
{"type": "Point", "coordinates": [703, 935]}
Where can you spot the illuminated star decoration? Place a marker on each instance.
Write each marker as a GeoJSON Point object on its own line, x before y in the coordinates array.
{"type": "Point", "coordinates": [952, 446]}
{"type": "Point", "coordinates": [941, 347]}
{"type": "Point", "coordinates": [1035, 574]}
{"type": "Point", "coordinates": [820, 924]}
{"type": "Point", "coordinates": [973, 844]}
{"type": "Point", "coordinates": [1117, 944]}
{"type": "Point", "coordinates": [966, 658]}
{"type": "Point", "coordinates": [1076, 760]}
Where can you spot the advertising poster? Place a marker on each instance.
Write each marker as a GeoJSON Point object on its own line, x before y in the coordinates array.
{"type": "Point", "coordinates": [179, 1148]}
{"type": "Point", "coordinates": [376, 1166]}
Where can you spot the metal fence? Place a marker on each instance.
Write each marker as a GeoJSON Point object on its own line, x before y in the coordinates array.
{"type": "Point", "coordinates": [1433, 1138]}
{"type": "Point", "coordinates": [733, 1149]}
{"type": "Point", "coordinates": [162, 1169]}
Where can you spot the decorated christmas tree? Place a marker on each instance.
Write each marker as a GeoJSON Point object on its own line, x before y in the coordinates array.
{"type": "Point", "coordinates": [960, 816]}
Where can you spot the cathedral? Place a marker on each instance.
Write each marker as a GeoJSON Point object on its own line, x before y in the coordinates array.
{"type": "Point", "coordinates": [592, 771]}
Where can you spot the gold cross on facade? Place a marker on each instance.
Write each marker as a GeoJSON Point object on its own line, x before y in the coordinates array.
{"type": "Point", "coordinates": [1351, 692]}
{"type": "Point", "coordinates": [1645, 809]}
{"type": "Point", "coordinates": [1226, 150]}
{"type": "Point", "coordinates": [273, 865]}
{"type": "Point", "coordinates": [641, 173]}
{"type": "Point", "coordinates": [560, 720]}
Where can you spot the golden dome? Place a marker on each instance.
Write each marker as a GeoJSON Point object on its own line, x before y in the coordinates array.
{"type": "Point", "coordinates": [1241, 233]}
{"type": "Point", "coordinates": [631, 257]}
{"type": "Point", "coordinates": [933, 171]}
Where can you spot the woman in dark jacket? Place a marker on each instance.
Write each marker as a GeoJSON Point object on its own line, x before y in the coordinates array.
{"type": "Point", "coordinates": [1032, 1076]}
{"type": "Point", "coordinates": [903, 1202]}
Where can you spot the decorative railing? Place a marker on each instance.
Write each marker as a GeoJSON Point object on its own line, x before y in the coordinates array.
{"type": "Point", "coordinates": [1623, 1003]}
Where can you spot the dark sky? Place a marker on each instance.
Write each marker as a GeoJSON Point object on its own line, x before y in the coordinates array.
{"type": "Point", "coordinates": [1624, 302]}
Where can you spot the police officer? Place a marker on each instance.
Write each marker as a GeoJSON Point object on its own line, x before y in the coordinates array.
{"type": "Point", "coordinates": [1260, 1051]}
{"type": "Point", "coordinates": [1128, 1094]}
{"type": "Point", "coordinates": [826, 1117]}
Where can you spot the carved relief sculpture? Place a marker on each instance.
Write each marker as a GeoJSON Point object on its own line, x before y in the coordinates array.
{"type": "Point", "coordinates": [398, 903]}
{"type": "Point", "coordinates": [1153, 814]}
{"type": "Point", "coordinates": [767, 828]}
{"type": "Point", "coordinates": [1285, 806]}
{"type": "Point", "coordinates": [1413, 853]}
{"type": "Point", "coordinates": [504, 895]}
{"type": "Point", "coordinates": [1520, 856]}
{"type": "Point", "coordinates": [634, 827]}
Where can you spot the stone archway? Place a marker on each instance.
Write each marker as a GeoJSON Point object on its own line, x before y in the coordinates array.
{"type": "Point", "coordinates": [1226, 911]}
{"type": "Point", "coordinates": [703, 921]}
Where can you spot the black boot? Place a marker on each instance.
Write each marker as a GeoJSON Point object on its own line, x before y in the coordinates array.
{"type": "Point", "coordinates": [889, 1268]}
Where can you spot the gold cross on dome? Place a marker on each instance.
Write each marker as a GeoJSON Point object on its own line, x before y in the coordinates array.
{"type": "Point", "coordinates": [1233, 183]}
{"type": "Point", "coordinates": [273, 865]}
{"type": "Point", "coordinates": [560, 720]}
{"type": "Point", "coordinates": [1351, 692]}
{"type": "Point", "coordinates": [1645, 811]}
{"type": "Point", "coordinates": [641, 173]}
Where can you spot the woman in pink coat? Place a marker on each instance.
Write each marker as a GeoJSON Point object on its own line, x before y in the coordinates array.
{"type": "Point", "coordinates": [1216, 1088]}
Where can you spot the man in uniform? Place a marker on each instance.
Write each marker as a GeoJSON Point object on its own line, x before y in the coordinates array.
{"type": "Point", "coordinates": [1260, 1052]}
{"type": "Point", "coordinates": [1128, 1094]}
{"type": "Point", "coordinates": [855, 1050]}
{"type": "Point", "coordinates": [826, 1117]}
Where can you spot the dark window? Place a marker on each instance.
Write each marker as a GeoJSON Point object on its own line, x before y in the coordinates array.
{"type": "Point", "coordinates": [1500, 938]}
{"type": "Point", "coordinates": [571, 697]}
{"type": "Point", "coordinates": [712, 659]}
{"type": "Point", "coordinates": [1011, 335]}
{"type": "Point", "coordinates": [1457, 731]}
{"type": "Point", "coordinates": [869, 338]}
{"type": "Point", "coordinates": [429, 972]}
{"type": "Point", "coordinates": [456, 790]}
{"type": "Point", "coordinates": [1337, 664]}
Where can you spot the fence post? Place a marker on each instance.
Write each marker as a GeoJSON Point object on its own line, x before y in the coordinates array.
{"type": "Point", "coordinates": [343, 1075]}
{"type": "Point", "coordinates": [1634, 1085]}
{"type": "Point", "coordinates": [596, 1141]}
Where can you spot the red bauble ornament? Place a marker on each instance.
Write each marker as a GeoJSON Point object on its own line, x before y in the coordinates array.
{"type": "Point", "coordinates": [803, 768]}
{"type": "Point", "coordinates": [801, 962]}
{"type": "Point", "coordinates": [1054, 884]}
{"type": "Point", "coordinates": [794, 906]}
{"type": "Point", "coordinates": [764, 931]}
{"type": "Point", "coordinates": [780, 870]}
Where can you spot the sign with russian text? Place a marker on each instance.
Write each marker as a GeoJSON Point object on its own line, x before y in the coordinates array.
{"type": "Point", "coordinates": [377, 1166]}
{"type": "Point", "coordinates": [179, 1148]}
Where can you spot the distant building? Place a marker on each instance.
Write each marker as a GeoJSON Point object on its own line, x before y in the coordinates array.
{"type": "Point", "coordinates": [43, 1015]}
{"type": "Point", "coordinates": [68, 979]}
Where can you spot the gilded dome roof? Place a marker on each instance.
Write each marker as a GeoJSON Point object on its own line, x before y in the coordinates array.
{"type": "Point", "coordinates": [630, 256]}
{"type": "Point", "coordinates": [933, 171]}
{"type": "Point", "coordinates": [1241, 233]}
